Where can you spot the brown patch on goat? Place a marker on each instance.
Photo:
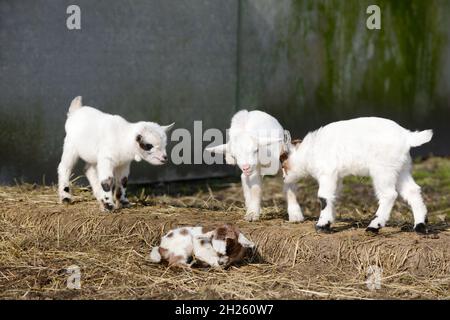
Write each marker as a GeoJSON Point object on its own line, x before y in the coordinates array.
{"type": "Point", "coordinates": [107, 184]}
{"type": "Point", "coordinates": [184, 232]}
{"type": "Point", "coordinates": [175, 260]}
{"type": "Point", "coordinates": [118, 194]}
{"type": "Point", "coordinates": [235, 251]}
{"type": "Point", "coordinates": [284, 161]}
{"type": "Point", "coordinates": [124, 182]}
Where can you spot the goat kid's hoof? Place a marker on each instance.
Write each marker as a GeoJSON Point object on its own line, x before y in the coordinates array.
{"type": "Point", "coordinates": [108, 207]}
{"type": "Point", "coordinates": [372, 230]}
{"type": "Point", "coordinates": [125, 204]}
{"type": "Point", "coordinates": [421, 228]}
{"type": "Point", "coordinates": [324, 229]}
{"type": "Point", "coordinates": [66, 201]}
{"type": "Point", "coordinates": [251, 217]}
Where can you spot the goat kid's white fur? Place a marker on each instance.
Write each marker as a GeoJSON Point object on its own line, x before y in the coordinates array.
{"type": "Point", "coordinates": [374, 147]}
{"type": "Point", "coordinates": [108, 144]}
{"type": "Point", "coordinates": [253, 135]}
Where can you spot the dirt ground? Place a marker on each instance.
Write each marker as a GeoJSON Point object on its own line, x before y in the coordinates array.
{"type": "Point", "coordinates": [40, 239]}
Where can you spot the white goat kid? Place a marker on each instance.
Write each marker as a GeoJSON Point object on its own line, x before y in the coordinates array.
{"type": "Point", "coordinates": [108, 144]}
{"type": "Point", "coordinates": [256, 140]}
{"type": "Point", "coordinates": [373, 147]}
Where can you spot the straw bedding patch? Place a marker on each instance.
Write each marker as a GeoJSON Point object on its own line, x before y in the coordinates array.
{"type": "Point", "coordinates": [40, 239]}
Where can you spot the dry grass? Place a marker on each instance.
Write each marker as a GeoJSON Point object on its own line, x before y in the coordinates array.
{"type": "Point", "coordinates": [39, 239]}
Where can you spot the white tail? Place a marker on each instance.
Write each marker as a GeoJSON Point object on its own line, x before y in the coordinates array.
{"type": "Point", "coordinates": [76, 104]}
{"type": "Point", "coordinates": [154, 255]}
{"type": "Point", "coordinates": [418, 138]}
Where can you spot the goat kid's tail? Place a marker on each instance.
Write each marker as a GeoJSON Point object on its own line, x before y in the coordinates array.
{"type": "Point", "coordinates": [76, 104]}
{"type": "Point", "coordinates": [418, 138]}
{"type": "Point", "coordinates": [155, 256]}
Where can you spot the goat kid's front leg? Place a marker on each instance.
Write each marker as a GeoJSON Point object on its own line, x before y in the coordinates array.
{"type": "Point", "coordinates": [121, 186]}
{"type": "Point", "coordinates": [105, 171]}
{"type": "Point", "coordinates": [327, 195]}
{"type": "Point", "coordinates": [68, 160]}
{"type": "Point", "coordinates": [253, 204]}
{"type": "Point", "coordinates": [294, 210]}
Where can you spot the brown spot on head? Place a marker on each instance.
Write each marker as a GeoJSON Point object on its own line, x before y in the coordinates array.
{"type": "Point", "coordinates": [226, 231]}
{"type": "Point", "coordinates": [184, 232]}
{"type": "Point", "coordinates": [220, 233]}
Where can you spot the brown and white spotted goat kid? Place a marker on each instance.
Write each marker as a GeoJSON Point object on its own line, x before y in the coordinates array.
{"type": "Point", "coordinates": [198, 246]}
{"type": "Point", "coordinates": [107, 143]}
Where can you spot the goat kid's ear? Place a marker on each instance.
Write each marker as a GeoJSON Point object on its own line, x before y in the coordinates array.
{"type": "Point", "coordinates": [218, 149]}
{"type": "Point", "coordinates": [264, 141]}
{"type": "Point", "coordinates": [245, 242]}
{"type": "Point", "coordinates": [167, 128]}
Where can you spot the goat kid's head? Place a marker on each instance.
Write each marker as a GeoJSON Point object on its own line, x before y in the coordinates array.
{"type": "Point", "coordinates": [230, 244]}
{"type": "Point", "coordinates": [151, 141]}
{"type": "Point", "coordinates": [244, 150]}
{"type": "Point", "coordinates": [289, 175]}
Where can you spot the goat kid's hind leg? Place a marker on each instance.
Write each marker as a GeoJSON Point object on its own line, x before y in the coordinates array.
{"type": "Point", "coordinates": [105, 171]}
{"type": "Point", "coordinates": [410, 192]}
{"type": "Point", "coordinates": [384, 184]}
{"type": "Point", "coordinates": [68, 160]}
{"type": "Point", "coordinates": [121, 186]}
{"type": "Point", "coordinates": [327, 196]}
{"type": "Point", "coordinates": [253, 183]}
{"type": "Point", "coordinates": [294, 210]}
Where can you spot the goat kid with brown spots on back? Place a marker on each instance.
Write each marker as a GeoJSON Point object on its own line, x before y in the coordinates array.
{"type": "Point", "coordinates": [108, 144]}
{"type": "Point", "coordinates": [375, 147]}
{"type": "Point", "coordinates": [197, 246]}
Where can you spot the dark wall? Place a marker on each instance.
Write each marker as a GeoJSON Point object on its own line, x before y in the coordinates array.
{"type": "Point", "coordinates": [155, 60]}
{"type": "Point", "coordinates": [307, 62]}
{"type": "Point", "coordinates": [311, 62]}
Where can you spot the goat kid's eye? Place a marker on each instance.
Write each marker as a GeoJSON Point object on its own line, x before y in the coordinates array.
{"type": "Point", "coordinates": [146, 146]}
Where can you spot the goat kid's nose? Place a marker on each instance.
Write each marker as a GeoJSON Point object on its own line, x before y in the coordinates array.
{"type": "Point", "coordinates": [245, 167]}
{"type": "Point", "coordinates": [164, 158]}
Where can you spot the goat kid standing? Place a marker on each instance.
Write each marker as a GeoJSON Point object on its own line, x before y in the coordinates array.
{"type": "Point", "coordinates": [256, 140]}
{"type": "Point", "coordinates": [374, 147]}
{"type": "Point", "coordinates": [107, 143]}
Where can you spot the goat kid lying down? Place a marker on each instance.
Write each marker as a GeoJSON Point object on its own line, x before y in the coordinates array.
{"type": "Point", "coordinates": [256, 140]}
{"type": "Point", "coordinates": [107, 143]}
{"type": "Point", "coordinates": [198, 246]}
{"type": "Point", "coordinates": [374, 147]}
